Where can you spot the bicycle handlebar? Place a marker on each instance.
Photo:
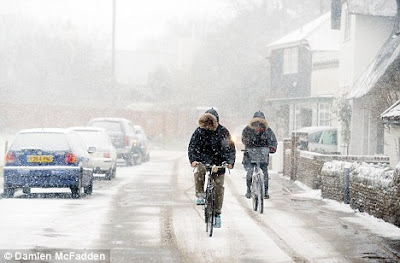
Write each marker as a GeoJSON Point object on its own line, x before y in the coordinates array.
{"type": "Point", "coordinates": [214, 168]}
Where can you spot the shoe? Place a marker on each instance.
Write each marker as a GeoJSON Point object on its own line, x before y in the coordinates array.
{"type": "Point", "coordinates": [266, 196]}
{"type": "Point", "coordinates": [217, 221]}
{"type": "Point", "coordinates": [248, 194]}
{"type": "Point", "coordinates": [200, 201]}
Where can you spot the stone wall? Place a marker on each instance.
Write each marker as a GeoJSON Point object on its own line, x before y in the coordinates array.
{"type": "Point", "coordinates": [308, 170]}
{"type": "Point", "coordinates": [332, 183]}
{"type": "Point", "coordinates": [379, 196]}
{"type": "Point", "coordinates": [381, 201]}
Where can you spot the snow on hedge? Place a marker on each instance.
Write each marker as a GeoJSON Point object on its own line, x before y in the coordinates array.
{"type": "Point", "coordinates": [375, 175]}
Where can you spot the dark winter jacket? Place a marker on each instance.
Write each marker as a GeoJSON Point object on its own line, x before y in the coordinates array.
{"type": "Point", "coordinates": [258, 134]}
{"type": "Point", "coordinates": [211, 142]}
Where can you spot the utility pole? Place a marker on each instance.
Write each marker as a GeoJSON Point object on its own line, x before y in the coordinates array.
{"type": "Point", "coordinates": [113, 80]}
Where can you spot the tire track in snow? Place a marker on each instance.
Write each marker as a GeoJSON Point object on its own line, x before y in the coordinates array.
{"type": "Point", "coordinates": [280, 242]}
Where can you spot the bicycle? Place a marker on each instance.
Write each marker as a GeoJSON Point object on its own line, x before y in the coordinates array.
{"type": "Point", "coordinates": [209, 200]}
{"type": "Point", "coordinates": [257, 155]}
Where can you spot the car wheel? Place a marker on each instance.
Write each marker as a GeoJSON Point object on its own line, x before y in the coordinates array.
{"type": "Point", "coordinates": [89, 189]}
{"type": "Point", "coordinates": [109, 173]}
{"type": "Point", "coordinates": [114, 172]}
{"type": "Point", "coordinates": [139, 159]}
{"type": "Point", "coordinates": [26, 190]}
{"type": "Point", "coordinates": [9, 192]}
{"type": "Point", "coordinates": [76, 189]}
{"type": "Point", "coordinates": [130, 160]}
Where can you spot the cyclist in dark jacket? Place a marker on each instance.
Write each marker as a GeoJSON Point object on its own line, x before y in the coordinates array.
{"type": "Point", "coordinates": [211, 143]}
{"type": "Point", "coordinates": [257, 134]}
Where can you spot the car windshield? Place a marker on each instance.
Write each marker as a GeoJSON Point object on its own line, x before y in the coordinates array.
{"type": "Point", "coordinates": [315, 136]}
{"type": "Point", "coordinates": [110, 126]}
{"type": "Point", "coordinates": [94, 138]}
{"type": "Point", "coordinates": [42, 141]}
{"type": "Point", "coordinates": [330, 137]}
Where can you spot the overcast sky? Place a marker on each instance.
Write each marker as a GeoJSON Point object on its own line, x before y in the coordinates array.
{"type": "Point", "coordinates": [136, 19]}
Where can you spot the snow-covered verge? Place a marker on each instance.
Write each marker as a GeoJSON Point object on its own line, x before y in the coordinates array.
{"type": "Point", "coordinates": [371, 188]}
{"type": "Point", "coordinates": [363, 219]}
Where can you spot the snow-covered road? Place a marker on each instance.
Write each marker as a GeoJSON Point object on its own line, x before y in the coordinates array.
{"type": "Point", "coordinates": [147, 214]}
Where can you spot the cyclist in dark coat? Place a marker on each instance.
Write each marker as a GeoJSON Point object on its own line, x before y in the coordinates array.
{"type": "Point", "coordinates": [257, 134]}
{"type": "Point", "coordinates": [211, 143]}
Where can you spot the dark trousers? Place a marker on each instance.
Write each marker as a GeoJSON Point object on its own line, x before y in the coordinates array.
{"type": "Point", "coordinates": [218, 182]}
{"type": "Point", "coordinates": [250, 168]}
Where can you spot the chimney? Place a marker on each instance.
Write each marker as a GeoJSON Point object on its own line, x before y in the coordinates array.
{"type": "Point", "coordinates": [396, 29]}
{"type": "Point", "coordinates": [336, 13]}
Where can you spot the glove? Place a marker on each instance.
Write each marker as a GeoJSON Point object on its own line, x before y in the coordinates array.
{"type": "Point", "coordinates": [272, 149]}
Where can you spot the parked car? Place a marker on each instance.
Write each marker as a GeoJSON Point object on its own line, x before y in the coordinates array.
{"type": "Point", "coordinates": [105, 156]}
{"type": "Point", "coordinates": [319, 139]}
{"type": "Point", "coordinates": [48, 158]}
{"type": "Point", "coordinates": [143, 143]}
{"type": "Point", "coordinates": [123, 137]}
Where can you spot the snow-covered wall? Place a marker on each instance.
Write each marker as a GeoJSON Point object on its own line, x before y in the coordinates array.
{"type": "Point", "coordinates": [370, 185]}
{"type": "Point", "coordinates": [373, 188]}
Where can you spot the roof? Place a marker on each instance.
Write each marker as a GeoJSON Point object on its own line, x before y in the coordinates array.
{"type": "Point", "coordinates": [392, 114]}
{"type": "Point", "coordinates": [382, 63]}
{"type": "Point", "coordinates": [318, 35]}
{"type": "Point", "coordinates": [315, 129]}
{"type": "Point", "coordinates": [373, 7]}
{"type": "Point", "coordinates": [87, 128]}
{"type": "Point", "coordinates": [284, 101]}
{"type": "Point", "coordinates": [44, 130]}
{"type": "Point", "coordinates": [109, 119]}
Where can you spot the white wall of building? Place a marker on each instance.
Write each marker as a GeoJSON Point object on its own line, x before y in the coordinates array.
{"type": "Point", "coordinates": [325, 82]}
{"type": "Point", "coordinates": [392, 137]}
{"type": "Point", "coordinates": [366, 37]}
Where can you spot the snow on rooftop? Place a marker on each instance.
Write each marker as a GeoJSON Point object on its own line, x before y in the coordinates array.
{"type": "Point", "coordinates": [393, 112]}
{"type": "Point", "coordinates": [389, 52]}
{"type": "Point", "coordinates": [373, 7]}
{"type": "Point", "coordinates": [318, 34]}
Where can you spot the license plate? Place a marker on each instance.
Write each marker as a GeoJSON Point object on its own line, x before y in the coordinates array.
{"type": "Point", "coordinates": [40, 158]}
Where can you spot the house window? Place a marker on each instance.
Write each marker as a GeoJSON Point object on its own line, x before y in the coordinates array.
{"type": "Point", "coordinates": [324, 113]}
{"type": "Point", "coordinates": [290, 60]}
{"type": "Point", "coordinates": [347, 26]}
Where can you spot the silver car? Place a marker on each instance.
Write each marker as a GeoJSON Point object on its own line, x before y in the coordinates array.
{"type": "Point", "coordinates": [105, 156]}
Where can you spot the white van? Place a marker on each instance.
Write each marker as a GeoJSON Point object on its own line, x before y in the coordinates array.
{"type": "Point", "coordinates": [319, 139]}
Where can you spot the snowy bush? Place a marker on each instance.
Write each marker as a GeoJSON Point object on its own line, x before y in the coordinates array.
{"type": "Point", "coordinates": [375, 175]}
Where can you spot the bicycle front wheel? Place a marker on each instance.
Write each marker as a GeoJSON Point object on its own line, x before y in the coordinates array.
{"type": "Point", "coordinates": [261, 199]}
{"type": "Point", "coordinates": [210, 213]}
{"type": "Point", "coordinates": [254, 194]}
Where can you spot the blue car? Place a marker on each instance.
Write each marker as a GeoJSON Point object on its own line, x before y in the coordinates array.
{"type": "Point", "coordinates": [48, 158]}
